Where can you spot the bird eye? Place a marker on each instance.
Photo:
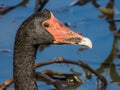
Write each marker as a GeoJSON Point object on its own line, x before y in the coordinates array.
{"type": "Point", "coordinates": [46, 24]}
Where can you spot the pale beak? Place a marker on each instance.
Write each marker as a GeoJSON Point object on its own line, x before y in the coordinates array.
{"type": "Point", "coordinates": [85, 42]}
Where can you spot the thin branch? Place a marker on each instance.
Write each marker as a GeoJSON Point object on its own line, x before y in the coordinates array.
{"type": "Point", "coordinates": [5, 10]}
{"type": "Point", "coordinates": [52, 80]}
{"type": "Point", "coordinates": [80, 63]}
{"type": "Point", "coordinates": [6, 84]}
{"type": "Point", "coordinates": [40, 4]}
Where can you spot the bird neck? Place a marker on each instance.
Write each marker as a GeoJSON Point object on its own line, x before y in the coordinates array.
{"type": "Point", "coordinates": [24, 60]}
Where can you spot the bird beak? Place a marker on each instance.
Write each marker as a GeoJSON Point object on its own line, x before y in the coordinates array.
{"type": "Point", "coordinates": [63, 35]}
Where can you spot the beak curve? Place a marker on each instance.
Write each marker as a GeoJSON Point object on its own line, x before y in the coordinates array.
{"type": "Point", "coordinates": [63, 35]}
{"type": "Point", "coordinates": [86, 42]}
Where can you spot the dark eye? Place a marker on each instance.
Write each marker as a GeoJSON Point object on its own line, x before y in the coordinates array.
{"type": "Point", "coordinates": [46, 24]}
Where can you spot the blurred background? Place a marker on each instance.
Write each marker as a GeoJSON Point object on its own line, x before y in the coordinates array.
{"type": "Point", "coordinates": [98, 20]}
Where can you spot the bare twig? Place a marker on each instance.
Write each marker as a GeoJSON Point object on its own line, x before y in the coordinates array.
{"type": "Point", "coordinates": [52, 79]}
{"type": "Point", "coordinates": [65, 78]}
{"type": "Point", "coordinates": [6, 84]}
{"type": "Point", "coordinates": [5, 10]}
{"type": "Point", "coordinates": [80, 63]}
{"type": "Point", "coordinates": [40, 5]}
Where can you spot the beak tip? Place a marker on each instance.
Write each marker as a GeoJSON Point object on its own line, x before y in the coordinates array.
{"type": "Point", "coordinates": [86, 42]}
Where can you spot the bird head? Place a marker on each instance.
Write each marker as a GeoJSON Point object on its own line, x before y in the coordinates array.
{"type": "Point", "coordinates": [44, 28]}
{"type": "Point", "coordinates": [62, 34]}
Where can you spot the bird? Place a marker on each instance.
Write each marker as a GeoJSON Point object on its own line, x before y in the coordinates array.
{"type": "Point", "coordinates": [41, 28]}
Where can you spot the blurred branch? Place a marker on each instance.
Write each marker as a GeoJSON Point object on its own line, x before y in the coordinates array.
{"type": "Point", "coordinates": [109, 60]}
{"type": "Point", "coordinates": [4, 10]}
{"type": "Point", "coordinates": [108, 13]}
{"type": "Point", "coordinates": [108, 64]}
{"type": "Point", "coordinates": [80, 2]}
{"type": "Point", "coordinates": [6, 84]}
{"type": "Point", "coordinates": [5, 50]}
{"type": "Point", "coordinates": [40, 4]}
{"type": "Point", "coordinates": [114, 20]}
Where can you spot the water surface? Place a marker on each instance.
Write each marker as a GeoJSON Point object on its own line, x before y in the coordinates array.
{"type": "Point", "coordinates": [104, 57]}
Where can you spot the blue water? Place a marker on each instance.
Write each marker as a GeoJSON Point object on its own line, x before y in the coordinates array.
{"type": "Point", "coordinates": [86, 21]}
